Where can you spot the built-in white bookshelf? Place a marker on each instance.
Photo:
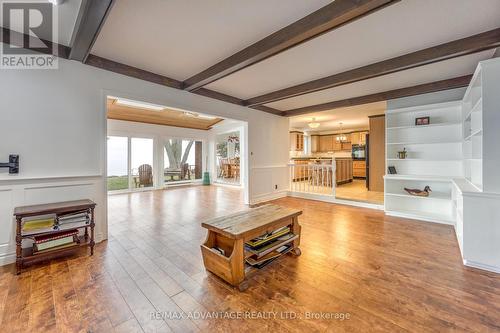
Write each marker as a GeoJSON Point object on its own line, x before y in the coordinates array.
{"type": "Point", "coordinates": [458, 156]}
{"type": "Point", "coordinates": [472, 112]}
{"type": "Point", "coordinates": [434, 157]}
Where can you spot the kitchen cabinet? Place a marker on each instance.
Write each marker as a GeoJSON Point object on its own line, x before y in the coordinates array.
{"type": "Point", "coordinates": [337, 145]}
{"type": "Point", "coordinates": [326, 143]}
{"type": "Point", "coordinates": [346, 146]}
{"type": "Point", "coordinates": [343, 173]}
{"type": "Point", "coordinates": [355, 138]}
{"type": "Point", "coordinates": [315, 143]}
{"type": "Point", "coordinates": [296, 141]}
{"type": "Point", "coordinates": [342, 145]}
{"type": "Point", "coordinates": [358, 138]}
{"type": "Point", "coordinates": [362, 138]}
{"type": "Point", "coordinates": [359, 169]}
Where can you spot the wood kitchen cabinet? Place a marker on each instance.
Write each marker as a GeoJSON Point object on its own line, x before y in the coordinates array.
{"type": "Point", "coordinates": [315, 143]}
{"type": "Point", "coordinates": [359, 169]}
{"type": "Point", "coordinates": [342, 146]}
{"type": "Point", "coordinates": [358, 138]}
{"type": "Point", "coordinates": [296, 141]}
{"type": "Point", "coordinates": [326, 143]}
{"type": "Point", "coordinates": [343, 173]}
{"type": "Point", "coordinates": [362, 138]}
{"type": "Point", "coordinates": [346, 146]}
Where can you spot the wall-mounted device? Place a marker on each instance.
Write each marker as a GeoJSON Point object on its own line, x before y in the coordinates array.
{"type": "Point", "coordinates": [13, 164]}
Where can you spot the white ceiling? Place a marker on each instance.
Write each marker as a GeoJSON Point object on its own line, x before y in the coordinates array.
{"type": "Point", "coordinates": [407, 26]}
{"type": "Point", "coordinates": [179, 38]}
{"type": "Point", "coordinates": [355, 117]}
{"type": "Point", "coordinates": [67, 14]}
{"type": "Point", "coordinates": [434, 72]}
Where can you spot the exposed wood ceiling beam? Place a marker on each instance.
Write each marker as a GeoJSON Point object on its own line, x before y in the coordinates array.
{"type": "Point", "coordinates": [327, 18]}
{"type": "Point", "coordinates": [127, 70]}
{"type": "Point", "coordinates": [473, 44]}
{"type": "Point", "coordinates": [458, 82]}
{"type": "Point", "coordinates": [93, 14]}
{"type": "Point", "coordinates": [137, 73]}
{"type": "Point", "coordinates": [17, 39]}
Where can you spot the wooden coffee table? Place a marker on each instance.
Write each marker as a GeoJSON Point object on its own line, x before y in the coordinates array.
{"type": "Point", "coordinates": [230, 233]}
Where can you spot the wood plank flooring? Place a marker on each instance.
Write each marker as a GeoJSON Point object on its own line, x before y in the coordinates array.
{"type": "Point", "coordinates": [388, 274]}
{"type": "Point", "coordinates": [356, 190]}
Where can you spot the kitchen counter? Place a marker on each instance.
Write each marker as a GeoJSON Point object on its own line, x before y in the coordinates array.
{"type": "Point", "coordinates": [343, 167]}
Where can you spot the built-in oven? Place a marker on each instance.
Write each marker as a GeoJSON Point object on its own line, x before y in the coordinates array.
{"type": "Point", "coordinates": [358, 152]}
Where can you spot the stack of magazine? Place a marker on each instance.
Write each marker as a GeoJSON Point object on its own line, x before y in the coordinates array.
{"type": "Point", "coordinates": [266, 248]}
{"type": "Point", "coordinates": [73, 220]}
{"type": "Point", "coordinates": [38, 224]}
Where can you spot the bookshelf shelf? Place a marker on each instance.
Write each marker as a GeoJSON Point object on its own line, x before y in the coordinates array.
{"type": "Point", "coordinates": [434, 158]}
{"type": "Point", "coordinates": [28, 255]}
{"type": "Point", "coordinates": [477, 132]}
{"type": "Point", "coordinates": [424, 126]}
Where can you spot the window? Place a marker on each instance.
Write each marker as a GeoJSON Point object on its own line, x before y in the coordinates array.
{"type": "Point", "coordinates": [227, 152]}
{"type": "Point", "coordinates": [182, 160]}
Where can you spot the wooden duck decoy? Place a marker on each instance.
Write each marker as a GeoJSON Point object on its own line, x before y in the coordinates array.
{"type": "Point", "coordinates": [419, 193]}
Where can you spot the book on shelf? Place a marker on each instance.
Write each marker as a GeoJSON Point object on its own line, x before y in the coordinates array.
{"type": "Point", "coordinates": [268, 258]}
{"type": "Point", "coordinates": [261, 240]}
{"type": "Point", "coordinates": [73, 216]}
{"type": "Point", "coordinates": [62, 246]}
{"type": "Point", "coordinates": [37, 223]}
{"type": "Point", "coordinates": [51, 241]}
{"type": "Point", "coordinates": [269, 246]}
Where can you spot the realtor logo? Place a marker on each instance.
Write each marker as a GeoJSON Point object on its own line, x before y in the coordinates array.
{"type": "Point", "coordinates": [29, 28]}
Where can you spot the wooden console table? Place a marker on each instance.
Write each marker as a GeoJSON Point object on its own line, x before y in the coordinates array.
{"type": "Point", "coordinates": [231, 232]}
{"type": "Point", "coordinates": [25, 255]}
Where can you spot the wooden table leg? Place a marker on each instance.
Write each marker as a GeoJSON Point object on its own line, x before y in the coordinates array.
{"type": "Point", "coordinates": [296, 230]}
{"type": "Point", "coordinates": [92, 225]}
{"type": "Point", "coordinates": [238, 263]}
{"type": "Point", "coordinates": [19, 256]}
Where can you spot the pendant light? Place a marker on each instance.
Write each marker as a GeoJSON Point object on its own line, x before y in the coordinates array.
{"type": "Point", "coordinates": [313, 124]}
{"type": "Point", "coordinates": [341, 137]}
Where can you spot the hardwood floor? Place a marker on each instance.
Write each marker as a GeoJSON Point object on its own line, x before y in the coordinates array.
{"type": "Point", "coordinates": [389, 275]}
{"type": "Point", "coordinates": [356, 190]}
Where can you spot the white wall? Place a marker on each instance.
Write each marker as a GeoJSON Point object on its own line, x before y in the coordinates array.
{"type": "Point", "coordinates": [55, 120]}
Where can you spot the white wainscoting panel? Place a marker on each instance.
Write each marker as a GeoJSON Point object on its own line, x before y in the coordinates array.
{"type": "Point", "coordinates": [21, 192]}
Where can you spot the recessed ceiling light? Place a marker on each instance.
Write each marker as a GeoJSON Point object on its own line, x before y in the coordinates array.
{"type": "Point", "coordinates": [56, 2]}
{"type": "Point", "coordinates": [140, 105]}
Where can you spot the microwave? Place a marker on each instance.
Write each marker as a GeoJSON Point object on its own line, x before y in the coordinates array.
{"type": "Point", "coordinates": [358, 152]}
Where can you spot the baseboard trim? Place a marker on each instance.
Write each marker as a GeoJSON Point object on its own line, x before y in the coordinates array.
{"type": "Point", "coordinates": [8, 258]}
{"type": "Point", "coordinates": [332, 199]}
{"type": "Point", "coordinates": [267, 197]}
{"type": "Point", "coordinates": [480, 266]}
{"type": "Point", "coordinates": [418, 217]}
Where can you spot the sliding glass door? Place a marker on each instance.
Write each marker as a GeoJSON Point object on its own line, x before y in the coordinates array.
{"type": "Point", "coordinates": [182, 160]}
{"type": "Point", "coordinates": [118, 178]}
{"type": "Point", "coordinates": [141, 162]}
{"type": "Point", "coordinates": [130, 163]}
